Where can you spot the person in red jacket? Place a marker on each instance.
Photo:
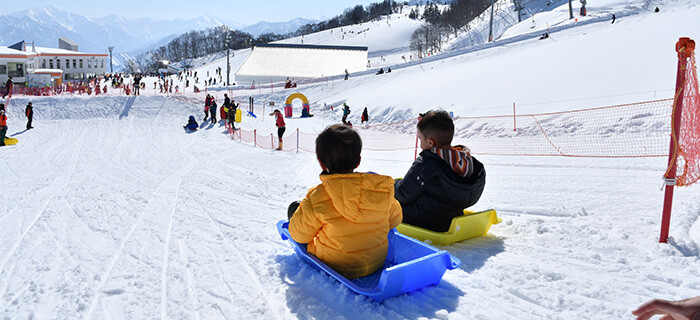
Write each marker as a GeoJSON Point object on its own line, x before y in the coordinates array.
{"type": "Point", "coordinates": [279, 122]}
{"type": "Point", "coordinates": [3, 127]}
{"type": "Point", "coordinates": [207, 105]}
{"type": "Point", "coordinates": [8, 88]}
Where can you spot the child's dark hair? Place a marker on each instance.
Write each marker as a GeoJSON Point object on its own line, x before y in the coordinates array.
{"type": "Point", "coordinates": [338, 147]}
{"type": "Point", "coordinates": [437, 124]}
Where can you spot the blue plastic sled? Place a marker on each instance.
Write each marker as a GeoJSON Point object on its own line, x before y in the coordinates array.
{"type": "Point", "coordinates": [410, 265]}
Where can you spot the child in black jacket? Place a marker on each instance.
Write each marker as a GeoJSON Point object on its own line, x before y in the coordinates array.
{"type": "Point", "coordinates": [443, 181]}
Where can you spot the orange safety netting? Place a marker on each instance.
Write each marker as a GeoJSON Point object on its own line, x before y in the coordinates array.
{"type": "Point", "coordinates": [620, 131]}
{"type": "Point", "coordinates": [687, 143]}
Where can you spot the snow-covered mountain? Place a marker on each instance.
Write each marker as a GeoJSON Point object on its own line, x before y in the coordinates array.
{"type": "Point", "coordinates": [44, 25]}
{"type": "Point", "coordinates": [276, 27]}
{"type": "Point", "coordinates": [129, 36]}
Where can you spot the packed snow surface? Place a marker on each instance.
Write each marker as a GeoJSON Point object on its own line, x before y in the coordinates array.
{"type": "Point", "coordinates": [110, 211]}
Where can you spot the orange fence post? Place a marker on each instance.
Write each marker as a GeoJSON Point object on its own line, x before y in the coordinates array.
{"type": "Point", "coordinates": [272, 141]}
{"type": "Point", "coordinates": [685, 48]}
{"type": "Point", "coordinates": [415, 153]}
{"type": "Point", "coordinates": [514, 117]}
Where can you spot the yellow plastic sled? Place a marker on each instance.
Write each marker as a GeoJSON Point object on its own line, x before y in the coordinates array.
{"type": "Point", "coordinates": [10, 141]}
{"type": "Point", "coordinates": [239, 115]}
{"type": "Point", "coordinates": [470, 225]}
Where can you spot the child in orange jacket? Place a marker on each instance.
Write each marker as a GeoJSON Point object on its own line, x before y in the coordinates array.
{"type": "Point", "coordinates": [346, 219]}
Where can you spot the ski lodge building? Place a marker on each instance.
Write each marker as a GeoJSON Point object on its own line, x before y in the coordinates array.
{"type": "Point", "coordinates": [275, 62]}
{"type": "Point", "coordinates": [65, 63]}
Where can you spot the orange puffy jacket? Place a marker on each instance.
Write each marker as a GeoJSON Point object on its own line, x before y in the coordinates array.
{"type": "Point", "coordinates": [345, 221]}
{"type": "Point", "coordinates": [3, 120]}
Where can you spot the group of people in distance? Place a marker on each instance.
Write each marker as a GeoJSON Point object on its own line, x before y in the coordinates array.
{"type": "Point", "coordinates": [227, 112]}
{"type": "Point", "coordinates": [346, 219]}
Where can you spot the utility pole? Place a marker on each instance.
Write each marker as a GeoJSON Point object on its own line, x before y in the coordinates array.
{"type": "Point", "coordinates": [491, 23]}
{"type": "Point", "coordinates": [228, 65]}
{"type": "Point", "coordinates": [111, 70]}
{"type": "Point", "coordinates": [571, 11]}
{"type": "Point", "coordinates": [518, 8]}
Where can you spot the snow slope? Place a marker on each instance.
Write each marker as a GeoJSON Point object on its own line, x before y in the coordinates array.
{"type": "Point", "coordinates": [110, 211]}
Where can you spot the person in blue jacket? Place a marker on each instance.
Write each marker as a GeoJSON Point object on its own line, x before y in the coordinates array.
{"type": "Point", "coordinates": [192, 124]}
{"type": "Point", "coordinates": [444, 179]}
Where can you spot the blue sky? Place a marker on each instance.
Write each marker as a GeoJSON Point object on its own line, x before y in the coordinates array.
{"type": "Point", "coordinates": [246, 12]}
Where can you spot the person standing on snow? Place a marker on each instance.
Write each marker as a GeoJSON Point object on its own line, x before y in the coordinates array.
{"type": "Point", "coordinates": [212, 110]}
{"type": "Point", "coordinates": [365, 116]}
{"type": "Point", "coordinates": [231, 115]}
{"type": "Point", "coordinates": [3, 127]}
{"type": "Point", "coordinates": [346, 112]}
{"type": "Point", "coordinates": [207, 104]}
{"type": "Point", "coordinates": [29, 112]}
{"type": "Point", "coordinates": [281, 126]}
{"type": "Point", "coordinates": [8, 87]}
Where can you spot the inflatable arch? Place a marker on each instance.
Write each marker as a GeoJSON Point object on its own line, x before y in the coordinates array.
{"type": "Point", "coordinates": [288, 103]}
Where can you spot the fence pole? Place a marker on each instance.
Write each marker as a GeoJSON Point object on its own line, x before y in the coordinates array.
{"type": "Point", "coordinates": [297, 140]}
{"type": "Point", "coordinates": [415, 153]}
{"type": "Point", "coordinates": [272, 141]}
{"type": "Point", "coordinates": [514, 128]}
{"type": "Point", "coordinates": [255, 138]}
{"type": "Point", "coordinates": [685, 48]}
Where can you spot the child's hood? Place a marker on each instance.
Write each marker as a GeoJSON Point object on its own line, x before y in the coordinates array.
{"type": "Point", "coordinates": [360, 197]}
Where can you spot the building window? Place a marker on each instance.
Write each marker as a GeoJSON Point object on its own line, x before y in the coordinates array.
{"type": "Point", "coordinates": [67, 64]}
{"type": "Point", "coordinates": [74, 66]}
{"type": "Point", "coordinates": [89, 63]}
{"type": "Point", "coordinates": [81, 63]}
{"type": "Point", "coordinates": [58, 63]}
{"type": "Point", "coordinates": [102, 63]}
{"type": "Point", "coordinates": [15, 70]}
{"type": "Point", "coordinates": [3, 69]}
{"type": "Point", "coordinates": [50, 64]}
{"type": "Point", "coordinates": [43, 63]}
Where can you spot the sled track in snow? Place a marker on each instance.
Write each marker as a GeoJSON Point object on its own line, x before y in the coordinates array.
{"type": "Point", "coordinates": [166, 250]}
{"type": "Point", "coordinates": [118, 254]}
{"type": "Point", "coordinates": [249, 269]}
{"type": "Point", "coordinates": [54, 188]}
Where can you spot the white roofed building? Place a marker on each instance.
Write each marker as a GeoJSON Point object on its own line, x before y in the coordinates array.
{"type": "Point", "coordinates": [277, 62]}
{"type": "Point", "coordinates": [75, 65]}
{"type": "Point", "coordinates": [21, 58]}
{"type": "Point", "coordinates": [16, 64]}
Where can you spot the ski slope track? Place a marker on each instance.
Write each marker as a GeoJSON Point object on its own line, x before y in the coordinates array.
{"type": "Point", "coordinates": [109, 210]}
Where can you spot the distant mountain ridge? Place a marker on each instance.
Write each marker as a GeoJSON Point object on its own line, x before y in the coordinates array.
{"type": "Point", "coordinates": [44, 25]}
{"type": "Point", "coordinates": [276, 27]}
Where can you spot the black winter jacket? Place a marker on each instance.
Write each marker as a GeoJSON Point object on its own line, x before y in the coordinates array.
{"type": "Point", "coordinates": [431, 194]}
